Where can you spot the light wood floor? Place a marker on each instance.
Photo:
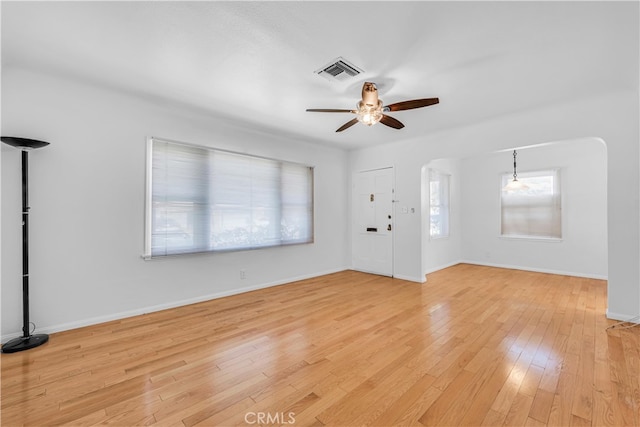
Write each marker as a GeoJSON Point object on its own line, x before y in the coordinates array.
{"type": "Point", "coordinates": [472, 346]}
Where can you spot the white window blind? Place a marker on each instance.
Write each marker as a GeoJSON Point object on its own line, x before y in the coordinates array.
{"type": "Point", "coordinates": [535, 211]}
{"type": "Point", "coordinates": [202, 199]}
{"type": "Point", "coordinates": [438, 204]}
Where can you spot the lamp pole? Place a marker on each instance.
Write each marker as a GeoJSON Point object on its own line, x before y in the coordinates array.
{"type": "Point", "coordinates": [27, 340]}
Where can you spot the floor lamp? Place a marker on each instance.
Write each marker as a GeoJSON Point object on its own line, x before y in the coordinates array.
{"type": "Point", "coordinates": [26, 341]}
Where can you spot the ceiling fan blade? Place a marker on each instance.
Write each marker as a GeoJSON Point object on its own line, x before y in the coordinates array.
{"type": "Point", "coordinates": [391, 122]}
{"type": "Point", "coordinates": [328, 110]}
{"type": "Point", "coordinates": [409, 105]}
{"type": "Point", "coordinates": [347, 125]}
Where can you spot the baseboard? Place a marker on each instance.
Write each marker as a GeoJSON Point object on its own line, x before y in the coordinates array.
{"type": "Point", "coordinates": [622, 317]}
{"type": "Point", "coordinates": [410, 278]}
{"type": "Point", "coordinates": [441, 267]}
{"type": "Point", "coordinates": [537, 270]}
{"type": "Point", "coordinates": [514, 267]}
{"type": "Point", "coordinates": [395, 276]}
{"type": "Point", "coordinates": [125, 314]}
{"type": "Point", "coordinates": [151, 309]}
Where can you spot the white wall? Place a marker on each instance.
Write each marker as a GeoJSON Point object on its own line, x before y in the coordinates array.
{"type": "Point", "coordinates": [613, 117]}
{"type": "Point", "coordinates": [442, 252]}
{"type": "Point", "coordinates": [582, 251]}
{"type": "Point", "coordinates": [87, 199]}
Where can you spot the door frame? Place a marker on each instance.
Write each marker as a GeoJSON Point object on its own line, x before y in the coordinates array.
{"type": "Point", "coordinates": [352, 208]}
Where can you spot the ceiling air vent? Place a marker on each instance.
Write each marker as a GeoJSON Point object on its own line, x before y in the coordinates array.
{"type": "Point", "coordinates": [339, 69]}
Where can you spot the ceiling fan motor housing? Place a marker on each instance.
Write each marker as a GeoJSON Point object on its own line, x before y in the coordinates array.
{"type": "Point", "coordinates": [370, 94]}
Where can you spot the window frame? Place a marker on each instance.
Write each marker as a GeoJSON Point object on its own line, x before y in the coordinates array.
{"type": "Point", "coordinates": [434, 171]}
{"type": "Point", "coordinates": [148, 201]}
{"type": "Point", "coordinates": [523, 175]}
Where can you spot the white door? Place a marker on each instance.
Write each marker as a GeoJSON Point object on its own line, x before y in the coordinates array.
{"type": "Point", "coordinates": [373, 221]}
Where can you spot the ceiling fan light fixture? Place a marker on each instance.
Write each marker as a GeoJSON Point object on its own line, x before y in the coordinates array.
{"type": "Point", "coordinates": [369, 114]}
{"type": "Point", "coordinates": [370, 109]}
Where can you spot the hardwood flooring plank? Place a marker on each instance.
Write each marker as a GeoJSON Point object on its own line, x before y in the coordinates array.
{"type": "Point", "coordinates": [541, 406]}
{"type": "Point", "coordinates": [486, 395]}
{"type": "Point", "coordinates": [519, 411]}
{"type": "Point", "coordinates": [401, 408]}
{"type": "Point", "coordinates": [434, 415]}
{"type": "Point", "coordinates": [493, 418]}
{"type": "Point", "coordinates": [307, 416]}
{"type": "Point", "coordinates": [504, 400]}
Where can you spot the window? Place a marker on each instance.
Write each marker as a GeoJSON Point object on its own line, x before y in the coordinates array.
{"type": "Point", "coordinates": [438, 204]}
{"type": "Point", "coordinates": [200, 200]}
{"type": "Point", "coordinates": [534, 211]}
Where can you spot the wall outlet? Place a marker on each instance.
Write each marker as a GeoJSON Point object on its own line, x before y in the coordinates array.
{"type": "Point", "coordinates": [243, 274]}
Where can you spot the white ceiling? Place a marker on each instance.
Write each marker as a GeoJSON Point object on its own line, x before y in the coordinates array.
{"type": "Point", "coordinates": [256, 60]}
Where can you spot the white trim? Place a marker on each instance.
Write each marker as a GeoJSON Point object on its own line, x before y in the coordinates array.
{"type": "Point", "coordinates": [359, 270]}
{"type": "Point", "coordinates": [537, 270]}
{"type": "Point", "coordinates": [125, 314]}
{"type": "Point", "coordinates": [448, 205]}
{"type": "Point", "coordinates": [393, 219]}
{"type": "Point", "coordinates": [410, 278]}
{"type": "Point", "coordinates": [393, 216]}
{"type": "Point", "coordinates": [145, 310]}
{"type": "Point", "coordinates": [147, 199]}
{"type": "Point", "coordinates": [515, 267]}
{"type": "Point", "coordinates": [531, 238]}
{"type": "Point", "coordinates": [622, 317]}
{"type": "Point", "coordinates": [442, 267]}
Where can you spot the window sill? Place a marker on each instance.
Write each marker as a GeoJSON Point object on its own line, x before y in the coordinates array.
{"type": "Point", "coordinates": [438, 237]}
{"type": "Point", "coordinates": [533, 238]}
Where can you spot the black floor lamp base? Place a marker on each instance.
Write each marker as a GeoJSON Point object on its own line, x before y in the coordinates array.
{"type": "Point", "coordinates": [22, 343]}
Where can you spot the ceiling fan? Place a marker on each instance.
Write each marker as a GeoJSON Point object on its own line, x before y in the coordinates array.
{"type": "Point", "coordinates": [371, 111]}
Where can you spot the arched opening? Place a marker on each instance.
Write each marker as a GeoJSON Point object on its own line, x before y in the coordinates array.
{"type": "Point", "coordinates": [476, 211]}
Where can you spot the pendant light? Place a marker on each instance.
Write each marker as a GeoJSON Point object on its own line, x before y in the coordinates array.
{"type": "Point", "coordinates": [515, 185]}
